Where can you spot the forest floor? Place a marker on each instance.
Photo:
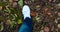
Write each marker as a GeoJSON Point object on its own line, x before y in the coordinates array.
{"type": "Point", "coordinates": [45, 15]}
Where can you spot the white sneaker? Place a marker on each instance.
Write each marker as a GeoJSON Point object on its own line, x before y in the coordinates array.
{"type": "Point", "coordinates": [26, 11]}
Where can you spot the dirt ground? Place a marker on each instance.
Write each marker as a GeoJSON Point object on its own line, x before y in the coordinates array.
{"type": "Point", "coordinates": [45, 15]}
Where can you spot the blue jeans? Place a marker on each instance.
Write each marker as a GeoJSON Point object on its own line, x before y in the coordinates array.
{"type": "Point", "coordinates": [26, 25]}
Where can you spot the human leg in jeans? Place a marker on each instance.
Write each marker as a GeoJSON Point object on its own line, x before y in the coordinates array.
{"type": "Point", "coordinates": [27, 23]}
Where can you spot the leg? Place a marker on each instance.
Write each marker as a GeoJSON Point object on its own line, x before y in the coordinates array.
{"type": "Point", "coordinates": [27, 23]}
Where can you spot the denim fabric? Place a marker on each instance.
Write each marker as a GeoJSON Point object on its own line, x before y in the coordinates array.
{"type": "Point", "coordinates": [26, 25]}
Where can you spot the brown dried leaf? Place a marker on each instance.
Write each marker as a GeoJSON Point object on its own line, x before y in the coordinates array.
{"type": "Point", "coordinates": [14, 4]}
{"type": "Point", "coordinates": [10, 1]}
{"type": "Point", "coordinates": [46, 29]}
{"type": "Point", "coordinates": [58, 13]}
{"type": "Point", "coordinates": [49, 13]}
{"type": "Point", "coordinates": [33, 13]}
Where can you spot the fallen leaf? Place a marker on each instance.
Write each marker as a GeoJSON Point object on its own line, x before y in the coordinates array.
{"type": "Point", "coordinates": [1, 27]}
{"type": "Point", "coordinates": [56, 21]}
{"type": "Point", "coordinates": [58, 25]}
{"type": "Point", "coordinates": [20, 2]}
{"type": "Point", "coordinates": [49, 13]}
{"type": "Point", "coordinates": [32, 0]}
{"type": "Point", "coordinates": [19, 21]}
{"type": "Point", "coordinates": [33, 13]}
{"type": "Point", "coordinates": [45, 10]}
{"type": "Point", "coordinates": [0, 7]}
{"type": "Point", "coordinates": [37, 6]}
{"type": "Point", "coordinates": [58, 13]}
{"type": "Point", "coordinates": [58, 4]}
{"type": "Point", "coordinates": [12, 24]}
{"type": "Point", "coordinates": [14, 4]}
{"type": "Point", "coordinates": [42, 31]}
{"type": "Point", "coordinates": [46, 29]}
{"type": "Point", "coordinates": [10, 1]}
{"type": "Point", "coordinates": [54, 1]}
